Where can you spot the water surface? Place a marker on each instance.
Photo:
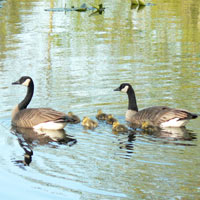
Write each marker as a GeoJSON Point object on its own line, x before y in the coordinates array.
{"type": "Point", "coordinates": [76, 61]}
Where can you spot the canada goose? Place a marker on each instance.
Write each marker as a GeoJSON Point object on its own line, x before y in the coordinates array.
{"type": "Point", "coordinates": [37, 118]}
{"type": "Point", "coordinates": [75, 118]}
{"type": "Point", "coordinates": [110, 119]}
{"type": "Point", "coordinates": [89, 123]}
{"type": "Point", "coordinates": [100, 115]}
{"type": "Point", "coordinates": [161, 116]}
{"type": "Point", "coordinates": [119, 128]}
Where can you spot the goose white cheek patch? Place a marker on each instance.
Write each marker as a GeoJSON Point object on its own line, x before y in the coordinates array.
{"type": "Point", "coordinates": [125, 89]}
{"type": "Point", "coordinates": [26, 82]}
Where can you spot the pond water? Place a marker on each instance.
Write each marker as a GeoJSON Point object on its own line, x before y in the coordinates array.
{"type": "Point", "coordinates": [76, 60]}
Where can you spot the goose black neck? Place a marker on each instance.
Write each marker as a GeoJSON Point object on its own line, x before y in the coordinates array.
{"type": "Point", "coordinates": [22, 105]}
{"type": "Point", "coordinates": [132, 104]}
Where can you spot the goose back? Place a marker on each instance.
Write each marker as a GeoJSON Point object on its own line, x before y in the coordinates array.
{"type": "Point", "coordinates": [32, 117]}
{"type": "Point", "coordinates": [162, 116]}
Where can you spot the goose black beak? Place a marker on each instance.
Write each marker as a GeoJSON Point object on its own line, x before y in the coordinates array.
{"type": "Point", "coordinates": [117, 89]}
{"type": "Point", "coordinates": [16, 83]}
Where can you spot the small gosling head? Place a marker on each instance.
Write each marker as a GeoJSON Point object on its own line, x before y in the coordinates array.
{"type": "Point", "coordinates": [115, 124]}
{"type": "Point", "coordinates": [100, 115]}
{"type": "Point", "coordinates": [75, 118]}
{"type": "Point", "coordinates": [110, 119]}
{"type": "Point", "coordinates": [99, 112]}
{"type": "Point", "coordinates": [119, 128]}
{"type": "Point", "coordinates": [70, 114]}
{"type": "Point", "coordinates": [85, 119]}
{"type": "Point", "coordinates": [145, 125]}
{"type": "Point", "coordinates": [89, 123]}
{"type": "Point", "coordinates": [110, 116]}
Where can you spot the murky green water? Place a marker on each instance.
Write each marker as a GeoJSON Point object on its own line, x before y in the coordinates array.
{"type": "Point", "coordinates": [76, 61]}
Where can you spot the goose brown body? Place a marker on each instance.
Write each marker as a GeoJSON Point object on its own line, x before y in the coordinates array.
{"type": "Point", "coordinates": [31, 117]}
{"type": "Point", "coordinates": [161, 116]}
{"type": "Point", "coordinates": [38, 118]}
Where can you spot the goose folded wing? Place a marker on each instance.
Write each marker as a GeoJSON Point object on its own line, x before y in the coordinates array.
{"type": "Point", "coordinates": [178, 114]}
{"type": "Point", "coordinates": [151, 114]}
{"type": "Point", "coordinates": [34, 116]}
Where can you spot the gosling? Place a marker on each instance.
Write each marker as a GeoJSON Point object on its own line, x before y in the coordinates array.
{"type": "Point", "coordinates": [89, 123]}
{"type": "Point", "coordinates": [75, 118]}
{"type": "Point", "coordinates": [148, 128]}
{"type": "Point", "coordinates": [110, 119]}
{"type": "Point", "coordinates": [100, 115]}
{"type": "Point", "coordinates": [119, 128]}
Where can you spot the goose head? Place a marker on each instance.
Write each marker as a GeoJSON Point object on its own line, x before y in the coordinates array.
{"type": "Point", "coordinates": [24, 80]}
{"type": "Point", "coordinates": [124, 87]}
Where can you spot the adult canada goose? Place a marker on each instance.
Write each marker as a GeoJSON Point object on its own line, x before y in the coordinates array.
{"type": "Point", "coordinates": [37, 118]}
{"type": "Point", "coordinates": [161, 116]}
{"type": "Point", "coordinates": [119, 128]}
{"type": "Point", "coordinates": [89, 123]}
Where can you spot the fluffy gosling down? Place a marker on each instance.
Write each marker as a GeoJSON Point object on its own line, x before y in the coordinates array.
{"type": "Point", "coordinates": [75, 118]}
{"type": "Point", "coordinates": [119, 128]}
{"type": "Point", "coordinates": [89, 123]}
{"type": "Point", "coordinates": [100, 115]}
{"type": "Point", "coordinates": [146, 127]}
{"type": "Point", "coordinates": [110, 119]}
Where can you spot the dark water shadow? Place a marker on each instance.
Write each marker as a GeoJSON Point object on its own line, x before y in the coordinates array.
{"type": "Point", "coordinates": [126, 143]}
{"type": "Point", "coordinates": [29, 138]}
{"type": "Point", "coordinates": [138, 8]}
{"type": "Point", "coordinates": [172, 136]}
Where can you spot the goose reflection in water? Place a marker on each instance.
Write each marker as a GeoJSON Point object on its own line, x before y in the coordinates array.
{"type": "Point", "coordinates": [169, 135]}
{"type": "Point", "coordinates": [126, 143]}
{"type": "Point", "coordinates": [174, 136]}
{"type": "Point", "coordinates": [28, 138]}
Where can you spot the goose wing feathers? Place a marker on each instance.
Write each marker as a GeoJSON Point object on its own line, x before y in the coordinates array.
{"type": "Point", "coordinates": [159, 114]}
{"type": "Point", "coordinates": [34, 116]}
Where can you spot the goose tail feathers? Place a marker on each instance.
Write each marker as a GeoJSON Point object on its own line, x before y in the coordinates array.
{"type": "Point", "coordinates": [191, 116]}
